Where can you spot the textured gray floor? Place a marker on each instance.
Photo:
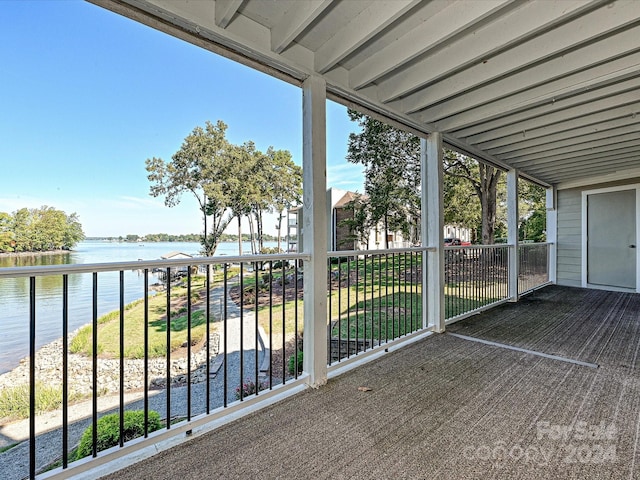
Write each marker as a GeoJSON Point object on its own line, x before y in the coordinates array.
{"type": "Point", "coordinates": [454, 409]}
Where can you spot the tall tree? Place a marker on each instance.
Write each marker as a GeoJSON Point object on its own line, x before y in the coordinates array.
{"type": "Point", "coordinates": [198, 167]}
{"type": "Point", "coordinates": [391, 158]}
{"type": "Point", "coordinates": [484, 181]}
{"type": "Point", "coordinates": [39, 230]}
{"type": "Point", "coordinates": [533, 212]}
{"type": "Point", "coordinates": [241, 182]}
{"type": "Point", "coordinates": [284, 181]}
{"type": "Point", "coordinates": [7, 241]}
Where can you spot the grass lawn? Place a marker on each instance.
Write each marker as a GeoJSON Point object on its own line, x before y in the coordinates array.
{"type": "Point", "coordinates": [134, 325]}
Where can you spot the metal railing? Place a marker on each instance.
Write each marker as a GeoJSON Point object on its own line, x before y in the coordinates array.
{"type": "Point", "coordinates": [476, 278]}
{"type": "Point", "coordinates": [191, 338]}
{"type": "Point", "coordinates": [204, 334]}
{"type": "Point", "coordinates": [375, 296]}
{"type": "Point", "coordinates": [533, 266]}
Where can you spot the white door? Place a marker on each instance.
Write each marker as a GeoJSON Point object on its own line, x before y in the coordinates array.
{"type": "Point", "coordinates": [611, 239]}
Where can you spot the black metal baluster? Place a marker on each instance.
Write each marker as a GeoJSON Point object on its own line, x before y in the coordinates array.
{"type": "Point", "coordinates": [121, 327]}
{"type": "Point", "coordinates": [339, 309]}
{"type": "Point", "coordinates": [225, 334]}
{"type": "Point", "coordinates": [270, 325]}
{"type": "Point", "coordinates": [241, 331]}
{"type": "Point", "coordinates": [364, 305]}
{"type": "Point", "coordinates": [348, 308]}
{"type": "Point", "coordinates": [357, 305]}
{"type": "Point", "coordinates": [189, 342]}
{"type": "Point", "coordinates": [208, 329]}
{"type": "Point", "coordinates": [295, 305]}
{"type": "Point", "coordinates": [256, 330]}
{"type": "Point", "coordinates": [373, 303]}
{"type": "Point", "coordinates": [284, 324]}
{"type": "Point", "coordinates": [146, 352]}
{"type": "Point", "coordinates": [168, 351]}
{"type": "Point", "coordinates": [32, 377]}
{"type": "Point", "coordinates": [65, 370]}
{"type": "Point", "coordinates": [393, 294]}
{"type": "Point", "coordinates": [94, 360]}
{"type": "Point", "coordinates": [386, 296]}
{"type": "Point", "coordinates": [329, 305]}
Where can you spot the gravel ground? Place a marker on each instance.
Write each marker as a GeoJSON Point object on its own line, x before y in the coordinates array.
{"type": "Point", "coordinates": [14, 463]}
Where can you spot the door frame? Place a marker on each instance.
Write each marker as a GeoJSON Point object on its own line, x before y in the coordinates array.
{"type": "Point", "coordinates": [584, 261]}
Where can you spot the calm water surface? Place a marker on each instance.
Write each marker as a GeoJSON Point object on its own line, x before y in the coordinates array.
{"type": "Point", "coordinates": [14, 293]}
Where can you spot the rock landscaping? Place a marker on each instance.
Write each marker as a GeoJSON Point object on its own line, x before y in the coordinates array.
{"type": "Point", "coordinates": [49, 370]}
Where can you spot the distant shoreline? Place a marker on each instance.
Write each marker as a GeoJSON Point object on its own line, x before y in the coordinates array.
{"type": "Point", "coordinates": [33, 254]}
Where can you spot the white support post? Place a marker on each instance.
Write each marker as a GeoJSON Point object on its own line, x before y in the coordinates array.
{"type": "Point", "coordinates": [432, 224]}
{"type": "Point", "coordinates": [512, 232]}
{"type": "Point", "coordinates": [315, 223]}
{"type": "Point", "coordinates": [552, 233]}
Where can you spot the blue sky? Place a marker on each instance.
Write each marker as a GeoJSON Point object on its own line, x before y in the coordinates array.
{"type": "Point", "coordinates": [86, 96]}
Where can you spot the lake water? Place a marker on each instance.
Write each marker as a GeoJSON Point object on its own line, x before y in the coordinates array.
{"type": "Point", "coordinates": [14, 293]}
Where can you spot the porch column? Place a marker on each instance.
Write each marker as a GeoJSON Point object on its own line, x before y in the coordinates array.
{"type": "Point", "coordinates": [432, 225]}
{"type": "Point", "coordinates": [314, 229]}
{"type": "Point", "coordinates": [552, 232]}
{"type": "Point", "coordinates": [512, 232]}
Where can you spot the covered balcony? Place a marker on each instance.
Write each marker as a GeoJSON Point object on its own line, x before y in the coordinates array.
{"type": "Point", "coordinates": [448, 375]}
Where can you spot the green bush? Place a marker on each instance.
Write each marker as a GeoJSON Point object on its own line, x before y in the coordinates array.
{"type": "Point", "coordinates": [292, 363]}
{"type": "Point", "coordinates": [109, 430]}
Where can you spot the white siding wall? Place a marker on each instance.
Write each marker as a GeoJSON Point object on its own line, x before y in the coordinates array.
{"type": "Point", "coordinates": [569, 242]}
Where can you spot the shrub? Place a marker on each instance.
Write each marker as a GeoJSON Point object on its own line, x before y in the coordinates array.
{"type": "Point", "coordinates": [109, 430]}
{"type": "Point", "coordinates": [249, 388]}
{"type": "Point", "coordinates": [14, 401]}
{"type": "Point", "coordinates": [292, 363]}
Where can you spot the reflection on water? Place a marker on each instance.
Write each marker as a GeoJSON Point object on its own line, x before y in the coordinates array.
{"type": "Point", "coordinates": [14, 293]}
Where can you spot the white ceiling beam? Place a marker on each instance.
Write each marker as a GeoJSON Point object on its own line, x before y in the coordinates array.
{"type": "Point", "coordinates": [576, 147]}
{"type": "Point", "coordinates": [557, 116]}
{"type": "Point", "coordinates": [546, 144]}
{"type": "Point", "coordinates": [583, 153]}
{"type": "Point", "coordinates": [543, 53]}
{"type": "Point", "coordinates": [530, 129]}
{"type": "Point", "coordinates": [608, 93]}
{"type": "Point", "coordinates": [527, 101]}
{"type": "Point", "coordinates": [450, 19]}
{"type": "Point", "coordinates": [225, 10]}
{"type": "Point", "coordinates": [513, 142]}
{"type": "Point", "coordinates": [594, 180]}
{"type": "Point", "coordinates": [513, 28]}
{"type": "Point", "coordinates": [557, 90]}
{"type": "Point", "coordinates": [364, 26]}
{"type": "Point", "coordinates": [294, 21]}
{"type": "Point", "coordinates": [593, 169]}
{"type": "Point", "coordinates": [613, 160]}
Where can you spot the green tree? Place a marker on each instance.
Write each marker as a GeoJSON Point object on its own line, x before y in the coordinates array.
{"type": "Point", "coordinates": [6, 233]}
{"type": "Point", "coordinates": [391, 158]}
{"type": "Point", "coordinates": [484, 181]}
{"type": "Point", "coordinates": [39, 230]}
{"type": "Point", "coordinates": [283, 184]}
{"type": "Point", "coordinates": [359, 221]}
{"type": "Point", "coordinates": [200, 168]}
{"type": "Point", "coordinates": [533, 212]}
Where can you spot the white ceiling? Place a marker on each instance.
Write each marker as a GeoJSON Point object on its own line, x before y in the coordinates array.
{"type": "Point", "coordinates": [551, 87]}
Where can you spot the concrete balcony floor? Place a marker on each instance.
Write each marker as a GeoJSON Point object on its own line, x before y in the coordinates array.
{"type": "Point", "coordinates": [454, 408]}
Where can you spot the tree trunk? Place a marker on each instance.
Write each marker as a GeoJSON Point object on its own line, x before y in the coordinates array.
{"type": "Point", "coordinates": [489, 177]}
{"type": "Point", "coordinates": [279, 227]}
{"type": "Point", "coordinates": [386, 232]}
{"type": "Point", "coordinates": [239, 234]}
{"type": "Point", "coordinates": [260, 230]}
{"type": "Point", "coordinates": [252, 237]}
